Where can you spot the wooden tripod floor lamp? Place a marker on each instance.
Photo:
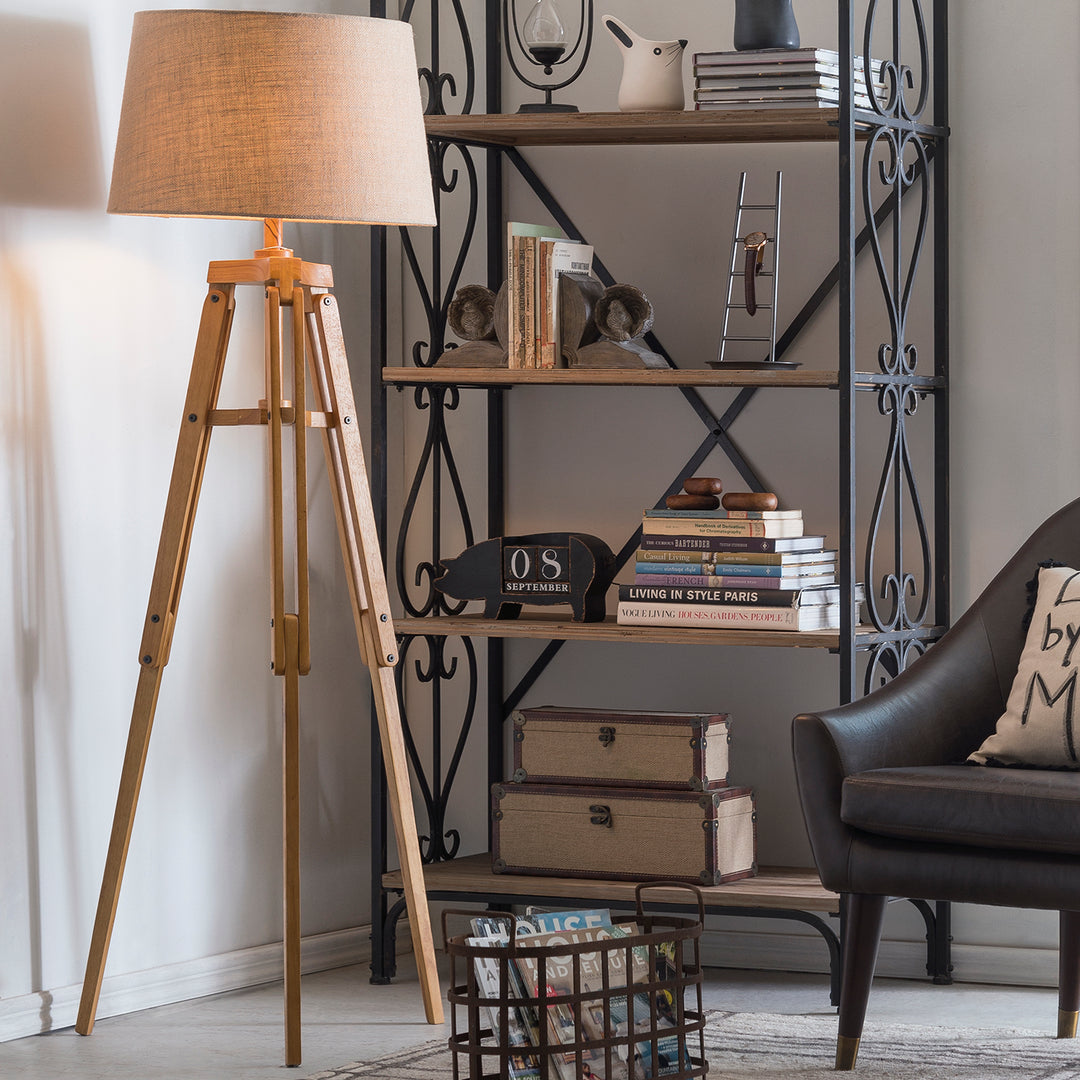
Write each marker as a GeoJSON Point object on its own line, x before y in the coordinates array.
{"type": "Point", "coordinates": [273, 116]}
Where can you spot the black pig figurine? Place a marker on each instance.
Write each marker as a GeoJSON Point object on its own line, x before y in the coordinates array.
{"type": "Point", "coordinates": [540, 568]}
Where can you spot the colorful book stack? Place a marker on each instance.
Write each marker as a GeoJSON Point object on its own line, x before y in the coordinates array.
{"type": "Point", "coordinates": [731, 569]}
{"type": "Point", "coordinates": [779, 79]}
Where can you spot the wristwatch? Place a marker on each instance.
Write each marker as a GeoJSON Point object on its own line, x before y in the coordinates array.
{"type": "Point", "coordinates": [754, 244]}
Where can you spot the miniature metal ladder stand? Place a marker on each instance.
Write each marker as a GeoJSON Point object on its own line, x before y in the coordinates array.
{"type": "Point", "coordinates": [736, 270]}
{"type": "Point", "coordinates": [311, 348]}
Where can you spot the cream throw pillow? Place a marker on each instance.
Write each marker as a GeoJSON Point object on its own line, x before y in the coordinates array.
{"type": "Point", "coordinates": [1037, 728]}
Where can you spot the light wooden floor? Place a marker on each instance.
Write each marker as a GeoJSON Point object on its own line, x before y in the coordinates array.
{"type": "Point", "coordinates": [238, 1036]}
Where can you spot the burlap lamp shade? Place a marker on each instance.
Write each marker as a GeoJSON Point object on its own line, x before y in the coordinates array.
{"type": "Point", "coordinates": [256, 114]}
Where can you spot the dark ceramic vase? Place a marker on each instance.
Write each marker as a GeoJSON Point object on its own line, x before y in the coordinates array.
{"type": "Point", "coordinates": [765, 24]}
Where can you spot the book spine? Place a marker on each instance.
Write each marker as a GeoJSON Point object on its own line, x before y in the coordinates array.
{"type": "Point", "coordinates": [722, 581]}
{"type": "Point", "coordinates": [744, 570]}
{"type": "Point", "coordinates": [700, 526]}
{"type": "Point", "coordinates": [715, 615]}
{"type": "Point", "coordinates": [672, 594]}
{"type": "Point", "coordinates": [529, 329]}
{"type": "Point", "coordinates": [726, 515]}
{"type": "Point", "coordinates": [512, 298]}
{"type": "Point", "coordinates": [694, 580]}
{"type": "Point", "coordinates": [749, 559]}
{"type": "Point", "coordinates": [546, 305]}
{"type": "Point", "coordinates": [717, 547]}
{"type": "Point", "coordinates": [661, 567]}
{"type": "Point", "coordinates": [521, 304]}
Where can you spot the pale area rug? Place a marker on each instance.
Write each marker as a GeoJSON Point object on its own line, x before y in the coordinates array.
{"type": "Point", "coordinates": [769, 1046]}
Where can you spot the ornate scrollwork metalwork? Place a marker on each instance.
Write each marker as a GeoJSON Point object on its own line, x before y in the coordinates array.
{"type": "Point", "coordinates": [896, 158]}
{"type": "Point", "coordinates": [440, 843]}
{"type": "Point", "coordinates": [897, 357]}
{"type": "Point", "coordinates": [888, 659]}
{"type": "Point", "coordinates": [898, 587]}
{"type": "Point", "coordinates": [436, 297]}
{"type": "Point", "coordinates": [435, 287]}
{"type": "Point", "coordinates": [436, 455]}
{"type": "Point", "coordinates": [436, 81]}
{"type": "Point", "coordinates": [896, 75]}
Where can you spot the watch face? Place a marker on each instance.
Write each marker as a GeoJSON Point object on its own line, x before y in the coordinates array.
{"type": "Point", "coordinates": [755, 240]}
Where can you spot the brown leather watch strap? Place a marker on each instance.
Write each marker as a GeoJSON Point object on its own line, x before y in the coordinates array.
{"type": "Point", "coordinates": [755, 252]}
{"type": "Point", "coordinates": [749, 274]}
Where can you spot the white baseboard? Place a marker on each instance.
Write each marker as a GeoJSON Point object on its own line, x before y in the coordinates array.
{"type": "Point", "coordinates": [34, 1014]}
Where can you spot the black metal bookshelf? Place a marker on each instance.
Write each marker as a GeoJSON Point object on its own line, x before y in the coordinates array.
{"type": "Point", "coordinates": [892, 163]}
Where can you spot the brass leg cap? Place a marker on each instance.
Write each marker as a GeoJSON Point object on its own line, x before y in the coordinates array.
{"type": "Point", "coordinates": [847, 1050]}
{"type": "Point", "coordinates": [1067, 1024]}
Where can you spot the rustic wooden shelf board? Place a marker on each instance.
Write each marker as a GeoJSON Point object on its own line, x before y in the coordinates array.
{"type": "Point", "coordinates": [619, 128]}
{"type": "Point", "coordinates": [487, 377]}
{"type": "Point", "coordinates": [778, 888]}
{"type": "Point", "coordinates": [550, 627]}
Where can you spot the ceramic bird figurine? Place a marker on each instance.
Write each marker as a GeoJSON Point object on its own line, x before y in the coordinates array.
{"type": "Point", "coordinates": [652, 70]}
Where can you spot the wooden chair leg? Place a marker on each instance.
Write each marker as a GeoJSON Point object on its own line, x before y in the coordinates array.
{"type": "Point", "coordinates": [863, 918]}
{"type": "Point", "coordinates": [1068, 973]}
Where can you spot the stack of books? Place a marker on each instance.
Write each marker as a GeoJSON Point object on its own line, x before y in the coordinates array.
{"type": "Point", "coordinates": [536, 256]}
{"type": "Point", "coordinates": [779, 79]}
{"type": "Point", "coordinates": [731, 569]}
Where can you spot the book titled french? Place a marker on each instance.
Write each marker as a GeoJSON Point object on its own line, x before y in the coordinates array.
{"type": "Point", "coordinates": [718, 546]}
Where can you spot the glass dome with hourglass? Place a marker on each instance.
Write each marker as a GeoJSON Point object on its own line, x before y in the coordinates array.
{"type": "Point", "coordinates": [542, 40]}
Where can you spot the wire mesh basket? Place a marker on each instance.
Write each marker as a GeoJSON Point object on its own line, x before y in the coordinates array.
{"type": "Point", "coordinates": [608, 1003]}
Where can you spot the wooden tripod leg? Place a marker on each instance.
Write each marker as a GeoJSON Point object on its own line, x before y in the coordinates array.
{"type": "Point", "coordinates": [374, 625]}
{"type": "Point", "coordinates": [291, 839]}
{"type": "Point", "coordinates": [183, 497]}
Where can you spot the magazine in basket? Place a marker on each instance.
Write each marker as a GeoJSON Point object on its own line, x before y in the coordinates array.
{"type": "Point", "coordinates": [583, 988]}
{"type": "Point", "coordinates": [596, 976]}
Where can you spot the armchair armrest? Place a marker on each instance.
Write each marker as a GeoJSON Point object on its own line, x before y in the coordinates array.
{"type": "Point", "coordinates": [934, 713]}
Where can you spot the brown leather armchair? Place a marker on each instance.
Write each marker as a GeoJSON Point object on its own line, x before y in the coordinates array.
{"type": "Point", "coordinates": [892, 810]}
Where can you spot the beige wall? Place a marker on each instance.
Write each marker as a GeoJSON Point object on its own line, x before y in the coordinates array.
{"type": "Point", "coordinates": [98, 317]}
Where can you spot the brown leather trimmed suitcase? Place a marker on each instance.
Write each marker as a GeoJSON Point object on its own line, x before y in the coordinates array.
{"type": "Point", "coordinates": [639, 834]}
{"type": "Point", "coordinates": [681, 751]}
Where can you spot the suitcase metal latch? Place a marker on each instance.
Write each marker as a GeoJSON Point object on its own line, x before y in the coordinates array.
{"type": "Point", "coordinates": [607, 736]}
{"type": "Point", "coordinates": [601, 815]}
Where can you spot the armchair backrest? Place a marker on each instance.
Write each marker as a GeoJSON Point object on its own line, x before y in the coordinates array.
{"type": "Point", "coordinates": [1004, 601]}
